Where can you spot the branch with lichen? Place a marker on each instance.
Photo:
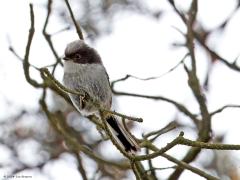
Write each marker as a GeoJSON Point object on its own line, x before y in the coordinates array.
{"type": "Point", "coordinates": [193, 82]}
{"type": "Point", "coordinates": [179, 140]}
{"type": "Point", "coordinates": [183, 165]}
{"type": "Point", "coordinates": [203, 123]}
{"type": "Point", "coordinates": [72, 142]}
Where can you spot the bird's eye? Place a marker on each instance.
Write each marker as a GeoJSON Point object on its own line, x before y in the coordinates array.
{"type": "Point", "coordinates": [77, 56]}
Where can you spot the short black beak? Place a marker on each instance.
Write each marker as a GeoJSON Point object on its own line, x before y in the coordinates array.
{"type": "Point", "coordinates": [66, 58]}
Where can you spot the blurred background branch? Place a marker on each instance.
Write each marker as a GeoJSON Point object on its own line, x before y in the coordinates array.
{"type": "Point", "coordinates": [58, 130]}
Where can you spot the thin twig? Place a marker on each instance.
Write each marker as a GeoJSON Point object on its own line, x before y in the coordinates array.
{"type": "Point", "coordinates": [135, 171]}
{"type": "Point", "coordinates": [193, 82]}
{"type": "Point", "coordinates": [74, 142]}
{"type": "Point", "coordinates": [124, 116]}
{"type": "Point", "coordinates": [60, 31]}
{"type": "Point", "coordinates": [11, 49]}
{"type": "Point", "coordinates": [81, 92]}
{"type": "Point", "coordinates": [48, 37]}
{"type": "Point", "coordinates": [80, 166]}
{"type": "Point", "coordinates": [149, 78]}
{"type": "Point", "coordinates": [26, 64]}
{"type": "Point", "coordinates": [160, 151]}
{"type": "Point", "coordinates": [151, 169]}
{"type": "Point", "coordinates": [108, 132]}
{"type": "Point", "coordinates": [160, 169]}
{"type": "Point", "coordinates": [46, 73]}
{"type": "Point", "coordinates": [179, 106]}
{"type": "Point", "coordinates": [77, 27]}
{"type": "Point", "coordinates": [156, 134]}
{"type": "Point", "coordinates": [184, 165]}
{"type": "Point", "coordinates": [223, 108]}
{"type": "Point", "coordinates": [204, 145]}
{"type": "Point", "coordinates": [233, 65]}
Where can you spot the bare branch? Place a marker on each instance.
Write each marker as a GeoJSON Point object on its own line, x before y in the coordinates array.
{"type": "Point", "coordinates": [205, 124]}
{"type": "Point", "coordinates": [179, 106]}
{"type": "Point", "coordinates": [11, 49]}
{"type": "Point", "coordinates": [223, 108]}
{"type": "Point", "coordinates": [184, 165]}
{"type": "Point", "coordinates": [26, 64]}
{"type": "Point", "coordinates": [74, 142]}
{"type": "Point", "coordinates": [80, 166]}
{"type": "Point", "coordinates": [156, 134]}
{"type": "Point", "coordinates": [149, 78]}
{"type": "Point", "coordinates": [233, 65]}
{"type": "Point", "coordinates": [77, 27]}
{"type": "Point", "coordinates": [204, 145]}
{"type": "Point", "coordinates": [48, 37]}
{"type": "Point", "coordinates": [159, 152]}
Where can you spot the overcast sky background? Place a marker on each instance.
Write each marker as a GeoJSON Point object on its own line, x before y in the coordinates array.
{"type": "Point", "coordinates": [138, 46]}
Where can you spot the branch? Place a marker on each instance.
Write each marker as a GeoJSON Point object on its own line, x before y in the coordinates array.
{"type": "Point", "coordinates": [46, 74]}
{"type": "Point", "coordinates": [160, 151]}
{"type": "Point", "coordinates": [223, 108]}
{"type": "Point", "coordinates": [12, 50]}
{"type": "Point", "coordinates": [233, 65]}
{"type": "Point", "coordinates": [193, 82]}
{"type": "Point", "coordinates": [48, 37]}
{"type": "Point", "coordinates": [184, 165]}
{"type": "Point", "coordinates": [179, 106]}
{"type": "Point", "coordinates": [108, 132]}
{"type": "Point", "coordinates": [156, 134]}
{"type": "Point", "coordinates": [75, 145]}
{"type": "Point", "coordinates": [80, 166]}
{"type": "Point", "coordinates": [124, 116]}
{"type": "Point", "coordinates": [135, 171]}
{"type": "Point", "coordinates": [149, 78]}
{"type": "Point", "coordinates": [26, 64]}
{"type": "Point", "coordinates": [164, 168]}
{"type": "Point", "coordinates": [183, 141]}
{"type": "Point", "coordinates": [152, 169]}
{"type": "Point", "coordinates": [203, 145]}
{"type": "Point", "coordinates": [77, 27]}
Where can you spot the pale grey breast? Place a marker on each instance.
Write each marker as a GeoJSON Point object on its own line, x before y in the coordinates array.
{"type": "Point", "coordinates": [90, 77]}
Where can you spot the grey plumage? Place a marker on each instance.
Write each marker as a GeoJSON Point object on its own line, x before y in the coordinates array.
{"type": "Point", "coordinates": [93, 79]}
{"type": "Point", "coordinates": [83, 70]}
{"type": "Point", "coordinates": [74, 47]}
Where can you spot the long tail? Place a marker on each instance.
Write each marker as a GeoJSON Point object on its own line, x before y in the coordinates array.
{"type": "Point", "coordinates": [124, 139]}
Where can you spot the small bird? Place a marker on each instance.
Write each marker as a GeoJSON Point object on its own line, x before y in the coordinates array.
{"type": "Point", "coordinates": [84, 70]}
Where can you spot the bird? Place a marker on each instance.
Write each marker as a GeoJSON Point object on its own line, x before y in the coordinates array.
{"type": "Point", "coordinates": [84, 71]}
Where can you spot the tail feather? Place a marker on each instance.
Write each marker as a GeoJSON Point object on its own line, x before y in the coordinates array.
{"type": "Point", "coordinates": [122, 136]}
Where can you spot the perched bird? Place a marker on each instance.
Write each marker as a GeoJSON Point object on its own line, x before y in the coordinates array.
{"type": "Point", "coordinates": [83, 70]}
